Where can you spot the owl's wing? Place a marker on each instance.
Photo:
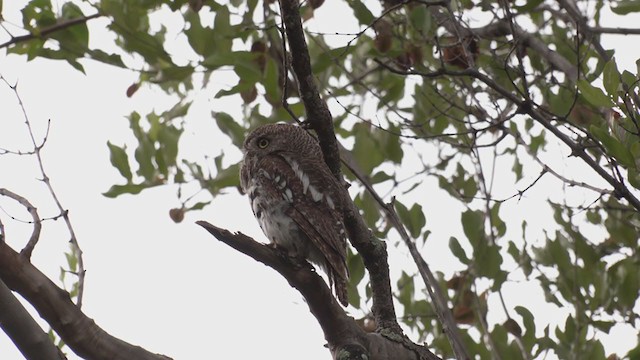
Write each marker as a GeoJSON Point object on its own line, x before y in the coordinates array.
{"type": "Point", "coordinates": [316, 215]}
{"type": "Point", "coordinates": [244, 177]}
{"type": "Point", "coordinates": [327, 234]}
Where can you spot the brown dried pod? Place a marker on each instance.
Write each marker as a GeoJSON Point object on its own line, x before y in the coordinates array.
{"type": "Point", "coordinates": [384, 35]}
{"type": "Point", "coordinates": [315, 3]}
{"type": "Point", "coordinates": [176, 214]}
{"type": "Point", "coordinates": [132, 89]}
{"type": "Point", "coordinates": [260, 48]}
{"type": "Point", "coordinates": [249, 95]}
{"type": "Point", "coordinates": [454, 54]}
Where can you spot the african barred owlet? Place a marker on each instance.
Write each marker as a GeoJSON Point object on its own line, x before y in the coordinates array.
{"type": "Point", "coordinates": [296, 199]}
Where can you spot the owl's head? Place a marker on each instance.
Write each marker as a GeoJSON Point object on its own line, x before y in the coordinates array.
{"type": "Point", "coordinates": [273, 138]}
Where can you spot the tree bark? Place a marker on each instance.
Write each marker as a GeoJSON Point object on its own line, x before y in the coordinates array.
{"type": "Point", "coordinates": [23, 330]}
{"type": "Point", "coordinates": [78, 331]}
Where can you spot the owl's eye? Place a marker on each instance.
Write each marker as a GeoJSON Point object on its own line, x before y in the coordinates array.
{"type": "Point", "coordinates": [263, 143]}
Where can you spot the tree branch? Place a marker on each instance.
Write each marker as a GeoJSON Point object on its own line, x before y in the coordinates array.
{"type": "Point", "coordinates": [618, 30]}
{"type": "Point", "coordinates": [49, 30]}
{"type": "Point", "coordinates": [372, 250]}
{"type": "Point", "coordinates": [79, 332]}
{"type": "Point", "coordinates": [37, 149]}
{"type": "Point", "coordinates": [435, 293]}
{"type": "Point", "coordinates": [346, 339]}
{"type": "Point", "coordinates": [37, 222]}
{"type": "Point", "coordinates": [23, 330]}
{"type": "Point", "coordinates": [619, 188]}
{"type": "Point", "coordinates": [502, 28]}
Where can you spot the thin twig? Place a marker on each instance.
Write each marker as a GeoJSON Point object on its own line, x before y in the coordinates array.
{"type": "Point", "coordinates": [524, 107]}
{"type": "Point", "coordinates": [618, 30]}
{"type": "Point", "coordinates": [37, 222]}
{"type": "Point", "coordinates": [49, 30]}
{"type": "Point", "coordinates": [45, 178]}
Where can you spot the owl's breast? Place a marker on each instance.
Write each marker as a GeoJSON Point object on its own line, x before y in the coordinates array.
{"type": "Point", "coordinates": [271, 199]}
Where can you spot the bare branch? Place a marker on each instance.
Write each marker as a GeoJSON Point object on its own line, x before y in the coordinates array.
{"type": "Point", "coordinates": [37, 222]}
{"type": "Point", "coordinates": [45, 178]}
{"type": "Point", "coordinates": [618, 30]}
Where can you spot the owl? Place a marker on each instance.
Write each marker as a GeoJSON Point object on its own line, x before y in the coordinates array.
{"type": "Point", "coordinates": [295, 198]}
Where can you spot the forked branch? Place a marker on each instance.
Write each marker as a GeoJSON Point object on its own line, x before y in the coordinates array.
{"type": "Point", "coordinates": [346, 339]}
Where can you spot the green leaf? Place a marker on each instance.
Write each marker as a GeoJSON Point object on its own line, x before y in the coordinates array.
{"type": "Point", "coordinates": [144, 154]}
{"type": "Point", "coordinates": [420, 19]}
{"type": "Point", "coordinates": [200, 38]}
{"type": "Point", "coordinates": [356, 274]}
{"type": "Point", "coordinates": [625, 7]}
{"type": "Point", "coordinates": [230, 127]}
{"type": "Point", "coordinates": [473, 226]}
{"type": "Point", "coordinates": [529, 335]}
{"type": "Point", "coordinates": [380, 176]}
{"type": "Point", "coordinates": [362, 13]}
{"type": "Point", "coordinates": [517, 168]}
{"type": "Point", "coordinates": [72, 261]}
{"type": "Point", "coordinates": [614, 147]}
{"type": "Point", "coordinates": [168, 139]}
{"type": "Point", "coordinates": [174, 73]}
{"type": "Point", "coordinates": [604, 326]}
{"type": "Point", "coordinates": [369, 208]}
{"type": "Point", "coordinates": [120, 160]}
{"type": "Point", "coordinates": [328, 58]}
{"type": "Point", "coordinates": [111, 59]}
{"type": "Point", "coordinates": [271, 82]}
{"type": "Point", "coordinates": [116, 190]}
{"type": "Point", "coordinates": [413, 219]}
{"type": "Point", "coordinates": [458, 251]}
{"type": "Point", "coordinates": [487, 261]}
{"type": "Point", "coordinates": [593, 95]}
{"type": "Point", "coordinates": [199, 205]}
{"type": "Point", "coordinates": [365, 149]}
{"type": "Point", "coordinates": [529, 5]}
{"type": "Point", "coordinates": [226, 177]}
{"type": "Point", "coordinates": [611, 78]}
{"type": "Point", "coordinates": [406, 289]}
{"type": "Point", "coordinates": [537, 142]}
{"type": "Point", "coordinates": [79, 32]}
{"type": "Point", "coordinates": [496, 221]}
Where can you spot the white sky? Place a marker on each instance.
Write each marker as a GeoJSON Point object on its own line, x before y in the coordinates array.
{"type": "Point", "coordinates": [172, 288]}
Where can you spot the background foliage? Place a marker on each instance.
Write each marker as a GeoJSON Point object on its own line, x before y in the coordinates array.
{"type": "Point", "coordinates": [488, 102]}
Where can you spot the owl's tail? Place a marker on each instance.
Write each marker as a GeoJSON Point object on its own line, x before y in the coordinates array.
{"type": "Point", "coordinates": [341, 291]}
{"type": "Point", "coordinates": [339, 284]}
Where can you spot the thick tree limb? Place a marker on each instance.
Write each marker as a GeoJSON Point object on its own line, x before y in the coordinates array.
{"type": "Point", "coordinates": [23, 330]}
{"type": "Point", "coordinates": [53, 304]}
{"type": "Point", "coordinates": [346, 339]}
{"type": "Point", "coordinates": [372, 250]}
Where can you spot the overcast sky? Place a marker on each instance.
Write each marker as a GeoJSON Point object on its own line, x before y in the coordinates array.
{"type": "Point", "coordinates": [170, 288]}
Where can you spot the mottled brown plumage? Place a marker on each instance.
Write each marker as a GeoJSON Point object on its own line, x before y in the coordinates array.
{"type": "Point", "coordinates": [296, 199]}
